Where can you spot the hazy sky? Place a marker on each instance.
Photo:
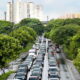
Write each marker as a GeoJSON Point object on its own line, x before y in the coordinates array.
{"type": "Point", "coordinates": [52, 8]}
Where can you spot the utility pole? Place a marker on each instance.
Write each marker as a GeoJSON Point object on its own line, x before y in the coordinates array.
{"type": "Point", "coordinates": [47, 18]}
{"type": "Point", "coordinates": [12, 14]}
{"type": "Point", "coordinates": [12, 11]}
{"type": "Point", "coordinates": [5, 15]}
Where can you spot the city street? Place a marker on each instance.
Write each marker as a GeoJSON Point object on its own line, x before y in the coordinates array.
{"type": "Point", "coordinates": [65, 72]}
{"type": "Point", "coordinates": [40, 40]}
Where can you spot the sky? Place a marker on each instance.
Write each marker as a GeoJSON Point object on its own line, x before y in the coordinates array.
{"type": "Point", "coordinates": [52, 8]}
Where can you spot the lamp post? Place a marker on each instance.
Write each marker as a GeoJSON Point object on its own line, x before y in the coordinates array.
{"type": "Point", "coordinates": [12, 10]}
{"type": "Point", "coordinates": [5, 15]}
{"type": "Point", "coordinates": [47, 18]}
{"type": "Point", "coordinates": [12, 14]}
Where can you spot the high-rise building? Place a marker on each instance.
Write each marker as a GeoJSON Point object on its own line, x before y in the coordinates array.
{"type": "Point", "coordinates": [16, 11]}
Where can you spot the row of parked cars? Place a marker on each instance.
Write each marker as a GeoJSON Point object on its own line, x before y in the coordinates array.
{"type": "Point", "coordinates": [37, 68]}
{"type": "Point", "coordinates": [53, 71]}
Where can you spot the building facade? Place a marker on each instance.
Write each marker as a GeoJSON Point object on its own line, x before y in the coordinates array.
{"type": "Point", "coordinates": [71, 16]}
{"type": "Point", "coordinates": [16, 11]}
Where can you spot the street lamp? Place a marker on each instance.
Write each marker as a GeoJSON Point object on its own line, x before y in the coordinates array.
{"type": "Point", "coordinates": [5, 15]}
{"type": "Point", "coordinates": [12, 13]}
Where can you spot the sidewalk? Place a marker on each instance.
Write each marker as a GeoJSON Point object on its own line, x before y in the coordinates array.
{"type": "Point", "coordinates": [11, 76]}
{"type": "Point", "coordinates": [75, 74]}
{"type": "Point", "coordinates": [13, 65]}
{"type": "Point", "coordinates": [73, 69]}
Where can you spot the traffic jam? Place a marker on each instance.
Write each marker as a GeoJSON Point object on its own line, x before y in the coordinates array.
{"type": "Point", "coordinates": [32, 67]}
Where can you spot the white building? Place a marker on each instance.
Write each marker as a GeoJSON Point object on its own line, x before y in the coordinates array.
{"type": "Point", "coordinates": [16, 11]}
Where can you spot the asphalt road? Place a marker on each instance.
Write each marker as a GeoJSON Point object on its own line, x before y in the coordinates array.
{"type": "Point", "coordinates": [65, 72]}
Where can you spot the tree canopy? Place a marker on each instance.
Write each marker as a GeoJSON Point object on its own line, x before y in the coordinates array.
{"type": "Point", "coordinates": [5, 27]}
{"type": "Point", "coordinates": [9, 49]}
{"type": "Point", "coordinates": [62, 34]}
{"type": "Point", "coordinates": [33, 23]}
{"type": "Point", "coordinates": [24, 35]}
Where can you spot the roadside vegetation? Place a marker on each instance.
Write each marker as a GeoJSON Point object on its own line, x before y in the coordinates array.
{"type": "Point", "coordinates": [66, 32]}
{"type": "Point", "coordinates": [5, 76]}
{"type": "Point", "coordinates": [17, 38]}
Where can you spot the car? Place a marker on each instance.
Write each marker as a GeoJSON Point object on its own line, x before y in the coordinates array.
{"type": "Point", "coordinates": [54, 77]}
{"type": "Point", "coordinates": [33, 54]}
{"type": "Point", "coordinates": [36, 70]}
{"type": "Point", "coordinates": [37, 74]}
{"type": "Point", "coordinates": [53, 70]}
{"type": "Point", "coordinates": [38, 64]}
{"type": "Point", "coordinates": [33, 51]}
{"type": "Point", "coordinates": [20, 77]}
{"type": "Point", "coordinates": [22, 70]}
{"type": "Point", "coordinates": [29, 64]}
{"type": "Point", "coordinates": [22, 66]}
{"type": "Point", "coordinates": [52, 64]}
{"type": "Point", "coordinates": [58, 50]}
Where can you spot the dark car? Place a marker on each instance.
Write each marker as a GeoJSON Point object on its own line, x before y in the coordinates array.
{"type": "Point", "coordinates": [20, 76]}
{"type": "Point", "coordinates": [38, 74]}
{"type": "Point", "coordinates": [34, 78]}
{"type": "Point", "coordinates": [54, 77]}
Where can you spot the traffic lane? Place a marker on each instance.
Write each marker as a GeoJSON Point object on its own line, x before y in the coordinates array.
{"type": "Point", "coordinates": [45, 69]}
{"type": "Point", "coordinates": [64, 71]}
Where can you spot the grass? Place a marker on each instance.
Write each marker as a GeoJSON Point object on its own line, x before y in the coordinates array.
{"type": "Point", "coordinates": [5, 76]}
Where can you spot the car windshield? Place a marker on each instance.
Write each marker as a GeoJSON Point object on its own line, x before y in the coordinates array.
{"type": "Point", "coordinates": [35, 74]}
{"type": "Point", "coordinates": [19, 74]}
{"type": "Point", "coordinates": [33, 79]}
{"type": "Point", "coordinates": [52, 69]}
{"type": "Point", "coordinates": [53, 76]}
{"type": "Point", "coordinates": [21, 70]}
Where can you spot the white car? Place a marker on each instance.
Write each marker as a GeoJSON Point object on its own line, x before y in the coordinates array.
{"type": "Point", "coordinates": [32, 51]}
{"type": "Point", "coordinates": [32, 54]}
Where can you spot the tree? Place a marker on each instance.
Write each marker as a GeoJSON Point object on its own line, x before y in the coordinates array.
{"type": "Point", "coordinates": [62, 34]}
{"type": "Point", "coordinates": [74, 45]}
{"type": "Point", "coordinates": [54, 24]}
{"type": "Point", "coordinates": [30, 31]}
{"type": "Point", "coordinates": [5, 27]}
{"type": "Point", "coordinates": [23, 35]}
{"type": "Point", "coordinates": [77, 61]}
{"type": "Point", "coordinates": [61, 22]}
{"type": "Point", "coordinates": [9, 49]}
{"type": "Point", "coordinates": [33, 23]}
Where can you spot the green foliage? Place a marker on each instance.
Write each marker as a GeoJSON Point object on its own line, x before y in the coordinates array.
{"type": "Point", "coordinates": [33, 23]}
{"type": "Point", "coordinates": [26, 49]}
{"type": "Point", "coordinates": [24, 35]}
{"type": "Point", "coordinates": [77, 61]}
{"type": "Point", "coordinates": [5, 76]}
{"type": "Point", "coordinates": [9, 49]}
{"type": "Point", "coordinates": [46, 34]}
{"type": "Point", "coordinates": [54, 24]}
{"type": "Point", "coordinates": [5, 27]}
{"type": "Point", "coordinates": [62, 34]}
{"type": "Point", "coordinates": [72, 21]}
{"type": "Point", "coordinates": [14, 38]}
{"type": "Point", "coordinates": [72, 47]}
{"type": "Point", "coordinates": [61, 22]}
{"type": "Point", "coordinates": [30, 31]}
{"type": "Point", "coordinates": [66, 32]}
